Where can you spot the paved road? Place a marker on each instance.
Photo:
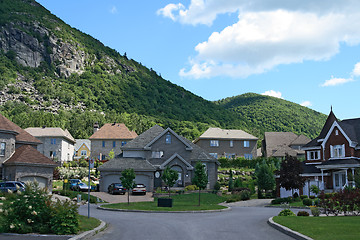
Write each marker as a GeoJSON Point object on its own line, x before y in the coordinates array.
{"type": "Point", "coordinates": [240, 223]}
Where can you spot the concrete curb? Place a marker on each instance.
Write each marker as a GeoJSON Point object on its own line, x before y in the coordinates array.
{"type": "Point", "coordinates": [144, 211]}
{"type": "Point", "coordinates": [294, 207]}
{"type": "Point", "coordinates": [287, 231]}
{"type": "Point", "coordinates": [90, 233]}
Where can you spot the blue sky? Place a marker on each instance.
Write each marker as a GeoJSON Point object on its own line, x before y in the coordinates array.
{"type": "Point", "coordinates": [305, 51]}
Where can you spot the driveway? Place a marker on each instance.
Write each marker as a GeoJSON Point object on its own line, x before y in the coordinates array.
{"type": "Point", "coordinates": [123, 198]}
{"type": "Point", "coordinates": [239, 223]}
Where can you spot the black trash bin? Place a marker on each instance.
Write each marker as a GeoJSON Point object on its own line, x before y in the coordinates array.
{"type": "Point", "coordinates": [165, 202]}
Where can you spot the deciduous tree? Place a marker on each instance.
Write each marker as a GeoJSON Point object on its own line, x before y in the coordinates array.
{"type": "Point", "coordinates": [127, 180]}
{"type": "Point", "coordinates": [200, 179]}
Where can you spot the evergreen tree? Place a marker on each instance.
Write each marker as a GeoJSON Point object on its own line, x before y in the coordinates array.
{"type": "Point", "coordinates": [200, 179]}
{"type": "Point", "coordinates": [265, 178]}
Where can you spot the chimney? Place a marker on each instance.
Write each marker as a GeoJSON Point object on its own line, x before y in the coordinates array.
{"type": "Point", "coordinates": [96, 127]}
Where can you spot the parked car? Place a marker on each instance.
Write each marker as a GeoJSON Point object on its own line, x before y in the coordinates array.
{"type": "Point", "coordinates": [13, 186]}
{"type": "Point", "coordinates": [73, 183]}
{"type": "Point", "coordinates": [116, 188]}
{"type": "Point", "coordinates": [82, 187]}
{"type": "Point", "coordinates": [139, 189]}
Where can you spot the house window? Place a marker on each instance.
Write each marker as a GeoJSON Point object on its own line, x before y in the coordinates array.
{"type": "Point", "coordinates": [231, 143]}
{"type": "Point", "coordinates": [230, 155]}
{"type": "Point", "coordinates": [313, 155]}
{"type": "Point", "coordinates": [157, 154]}
{"type": "Point", "coordinates": [123, 143]}
{"type": "Point", "coordinates": [246, 144]}
{"type": "Point", "coordinates": [168, 139]}
{"type": "Point", "coordinates": [336, 132]}
{"type": "Point", "coordinates": [53, 140]}
{"type": "Point", "coordinates": [114, 144]}
{"type": "Point", "coordinates": [103, 143]}
{"type": "Point", "coordinates": [215, 155]}
{"type": "Point", "coordinates": [337, 151]}
{"type": "Point", "coordinates": [214, 143]}
{"type": "Point", "coordinates": [248, 156]}
{"type": "Point", "coordinates": [52, 154]}
{"type": "Point", "coordinates": [83, 152]}
{"type": "Point", "coordinates": [2, 149]}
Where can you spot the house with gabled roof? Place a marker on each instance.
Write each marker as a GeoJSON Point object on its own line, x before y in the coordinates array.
{"type": "Point", "coordinates": [82, 148]}
{"type": "Point", "coordinates": [56, 143]}
{"type": "Point", "coordinates": [19, 159]}
{"type": "Point", "coordinates": [110, 137]}
{"type": "Point", "coordinates": [229, 143]}
{"type": "Point", "coordinates": [278, 144]}
{"type": "Point", "coordinates": [154, 150]}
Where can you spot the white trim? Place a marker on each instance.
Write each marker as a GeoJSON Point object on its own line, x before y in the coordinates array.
{"type": "Point", "coordinates": [337, 158]}
{"type": "Point", "coordinates": [188, 165]}
{"type": "Point", "coordinates": [310, 163]}
{"type": "Point", "coordinates": [311, 148]}
{"type": "Point", "coordinates": [336, 124]}
{"type": "Point", "coordinates": [320, 140]}
{"type": "Point", "coordinates": [340, 166]}
{"type": "Point", "coordinates": [81, 146]}
{"type": "Point", "coordinates": [314, 174]}
{"type": "Point", "coordinates": [188, 146]}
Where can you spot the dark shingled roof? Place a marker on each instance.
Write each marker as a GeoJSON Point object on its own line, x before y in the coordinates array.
{"type": "Point", "coordinates": [22, 135]}
{"type": "Point", "coordinates": [29, 155]}
{"type": "Point", "coordinates": [352, 128]}
{"type": "Point", "coordinates": [310, 168]}
{"type": "Point", "coordinates": [329, 121]}
{"type": "Point", "coordinates": [341, 161]}
{"type": "Point", "coordinates": [120, 164]}
{"type": "Point", "coordinates": [143, 139]}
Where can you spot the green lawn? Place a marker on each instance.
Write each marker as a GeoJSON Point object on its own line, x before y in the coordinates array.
{"type": "Point", "coordinates": [87, 224]}
{"type": "Point", "coordinates": [183, 202]}
{"type": "Point", "coordinates": [324, 228]}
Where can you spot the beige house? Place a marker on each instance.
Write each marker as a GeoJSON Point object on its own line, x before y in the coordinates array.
{"type": "Point", "coordinates": [229, 143]}
{"type": "Point", "coordinates": [111, 136]}
{"type": "Point", "coordinates": [82, 148]}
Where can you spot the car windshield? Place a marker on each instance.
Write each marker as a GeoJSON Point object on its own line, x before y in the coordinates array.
{"type": "Point", "coordinates": [117, 185]}
{"type": "Point", "coordinates": [140, 185]}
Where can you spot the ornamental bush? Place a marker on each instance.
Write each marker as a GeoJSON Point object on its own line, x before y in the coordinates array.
{"type": "Point", "coordinates": [307, 201]}
{"type": "Point", "coordinates": [286, 212]}
{"type": "Point", "coordinates": [303, 214]}
{"type": "Point", "coordinates": [345, 201]}
{"type": "Point", "coordinates": [191, 188]}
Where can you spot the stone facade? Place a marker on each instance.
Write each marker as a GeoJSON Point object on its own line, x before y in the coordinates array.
{"type": "Point", "coordinates": [103, 147]}
{"type": "Point", "coordinates": [59, 149]}
{"type": "Point", "coordinates": [9, 140]}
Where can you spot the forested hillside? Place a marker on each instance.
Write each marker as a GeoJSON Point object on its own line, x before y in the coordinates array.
{"type": "Point", "coordinates": [52, 74]}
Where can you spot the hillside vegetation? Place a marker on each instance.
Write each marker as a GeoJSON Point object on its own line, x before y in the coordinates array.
{"type": "Point", "coordinates": [55, 75]}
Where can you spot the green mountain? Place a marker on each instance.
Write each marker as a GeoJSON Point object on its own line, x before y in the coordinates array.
{"type": "Point", "coordinates": [266, 114]}
{"type": "Point", "coordinates": [55, 75]}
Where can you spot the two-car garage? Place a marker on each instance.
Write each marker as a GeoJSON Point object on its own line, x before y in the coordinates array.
{"type": "Point", "coordinates": [107, 179]}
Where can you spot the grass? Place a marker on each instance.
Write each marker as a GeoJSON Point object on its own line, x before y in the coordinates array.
{"type": "Point", "coordinates": [183, 202]}
{"type": "Point", "coordinates": [324, 228]}
{"type": "Point", "coordinates": [86, 224]}
{"type": "Point", "coordinates": [57, 185]}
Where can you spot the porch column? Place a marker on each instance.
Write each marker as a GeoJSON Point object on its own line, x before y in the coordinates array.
{"type": "Point", "coordinates": [353, 177]}
{"type": "Point", "coordinates": [346, 176]}
{"type": "Point", "coordinates": [322, 187]}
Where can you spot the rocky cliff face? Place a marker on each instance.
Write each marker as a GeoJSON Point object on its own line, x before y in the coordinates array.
{"type": "Point", "coordinates": [34, 44]}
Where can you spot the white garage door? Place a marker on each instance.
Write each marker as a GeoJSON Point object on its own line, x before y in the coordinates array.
{"type": "Point", "coordinates": [144, 180]}
{"type": "Point", "coordinates": [41, 181]}
{"type": "Point", "coordinates": [109, 179]}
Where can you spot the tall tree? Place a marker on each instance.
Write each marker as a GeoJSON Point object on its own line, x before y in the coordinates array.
{"type": "Point", "coordinates": [265, 177]}
{"type": "Point", "coordinates": [169, 176]}
{"type": "Point", "coordinates": [200, 179]}
{"type": "Point", "coordinates": [127, 180]}
{"type": "Point", "coordinates": [290, 174]}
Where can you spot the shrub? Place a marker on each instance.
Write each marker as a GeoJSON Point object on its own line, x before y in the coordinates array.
{"type": "Point", "coordinates": [245, 195]}
{"type": "Point", "coordinates": [238, 190]}
{"type": "Point", "coordinates": [303, 213]}
{"type": "Point", "coordinates": [286, 212]}
{"type": "Point", "coordinates": [307, 201]}
{"type": "Point", "coordinates": [234, 198]}
{"type": "Point", "coordinates": [315, 211]}
{"type": "Point", "coordinates": [191, 188]}
{"type": "Point", "coordinates": [295, 195]}
{"type": "Point", "coordinates": [303, 197]}
{"type": "Point", "coordinates": [314, 189]}
{"type": "Point", "coordinates": [238, 183]}
{"type": "Point", "coordinates": [312, 197]}
{"type": "Point", "coordinates": [64, 218]}
{"type": "Point", "coordinates": [217, 186]}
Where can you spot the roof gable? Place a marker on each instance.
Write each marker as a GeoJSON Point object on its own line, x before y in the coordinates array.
{"type": "Point", "coordinates": [81, 142]}
{"type": "Point", "coordinates": [50, 132]}
{"type": "Point", "coordinates": [188, 146]}
{"type": "Point", "coordinates": [113, 131]}
{"type": "Point", "coordinates": [219, 133]}
{"type": "Point", "coordinates": [143, 139]}
{"type": "Point", "coordinates": [336, 124]}
{"type": "Point", "coordinates": [175, 155]}
{"type": "Point", "coordinates": [27, 154]}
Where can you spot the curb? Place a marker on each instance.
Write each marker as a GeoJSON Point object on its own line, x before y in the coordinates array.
{"type": "Point", "coordinates": [287, 231]}
{"type": "Point", "coordinates": [144, 211]}
{"type": "Point", "coordinates": [294, 207]}
{"type": "Point", "coordinates": [90, 233]}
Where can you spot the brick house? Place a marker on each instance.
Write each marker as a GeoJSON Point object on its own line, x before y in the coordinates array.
{"type": "Point", "coordinates": [111, 136]}
{"type": "Point", "coordinates": [228, 143]}
{"type": "Point", "coordinates": [154, 150]}
{"type": "Point", "coordinates": [19, 159]}
{"type": "Point", "coordinates": [56, 143]}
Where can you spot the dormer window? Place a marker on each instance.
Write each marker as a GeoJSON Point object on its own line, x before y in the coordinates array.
{"type": "Point", "coordinates": [313, 155]}
{"type": "Point", "coordinates": [168, 139]}
{"type": "Point", "coordinates": [157, 154]}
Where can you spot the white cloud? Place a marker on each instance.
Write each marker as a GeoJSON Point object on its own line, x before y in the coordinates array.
{"type": "Point", "coordinates": [273, 93]}
{"type": "Point", "coordinates": [333, 81]}
{"type": "Point", "coordinates": [356, 70]}
{"type": "Point", "coordinates": [268, 33]}
{"type": "Point", "coordinates": [113, 10]}
{"type": "Point", "coordinates": [306, 104]}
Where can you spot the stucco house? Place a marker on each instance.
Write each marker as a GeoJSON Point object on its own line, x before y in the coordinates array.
{"type": "Point", "coordinates": [228, 143]}
{"type": "Point", "coordinates": [154, 150]}
{"type": "Point", "coordinates": [82, 148]}
{"type": "Point", "coordinates": [19, 159]}
{"type": "Point", "coordinates": [111, 136]}
{"type": "Point", "coordinates": [56, 143]}
{"type": "Point", "coordinates": [278, 144]}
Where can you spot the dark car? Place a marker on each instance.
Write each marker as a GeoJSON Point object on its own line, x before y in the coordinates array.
{"type": "Point", "coordinates": [116, 188]}
{"type": "Point", "coordinates": [139, 189]}
{"type": "Point", "coordinates": [13, 186]}
{"type": "Point", "coordinates": [73, 183]}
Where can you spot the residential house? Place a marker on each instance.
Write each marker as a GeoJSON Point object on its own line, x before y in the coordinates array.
{"type": "Point", "coordinates": [19, 159]}
{"type": "Point", "coordinates": [82, 148]}
{"type": "Point", "coordinates": [278, 144]}
{"type": "Point", "coordinates": [111, 136]}
{"type": "Point", "coordinates": [56, 143]}
{"type": "Point", "coordinates": [154, 150]}
{"type": "Point", "coordinates": [228, 143]}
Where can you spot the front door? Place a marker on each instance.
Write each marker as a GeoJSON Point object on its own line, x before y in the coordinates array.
{"type": "Point", "coordinates": [339, 180]}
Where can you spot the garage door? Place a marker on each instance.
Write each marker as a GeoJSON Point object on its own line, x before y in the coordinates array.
{"type": "Point", "coordinates": [109, 179]}
{"type": "Point", "coordinates": [41, 180]}
{"type": "Point", "coordinates": [144, 180]}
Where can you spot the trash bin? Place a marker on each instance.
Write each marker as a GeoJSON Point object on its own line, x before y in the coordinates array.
{"type": "Point", "coordinates": [79, 198]}
{"type": "Point", "coordinates": [165, 202]}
